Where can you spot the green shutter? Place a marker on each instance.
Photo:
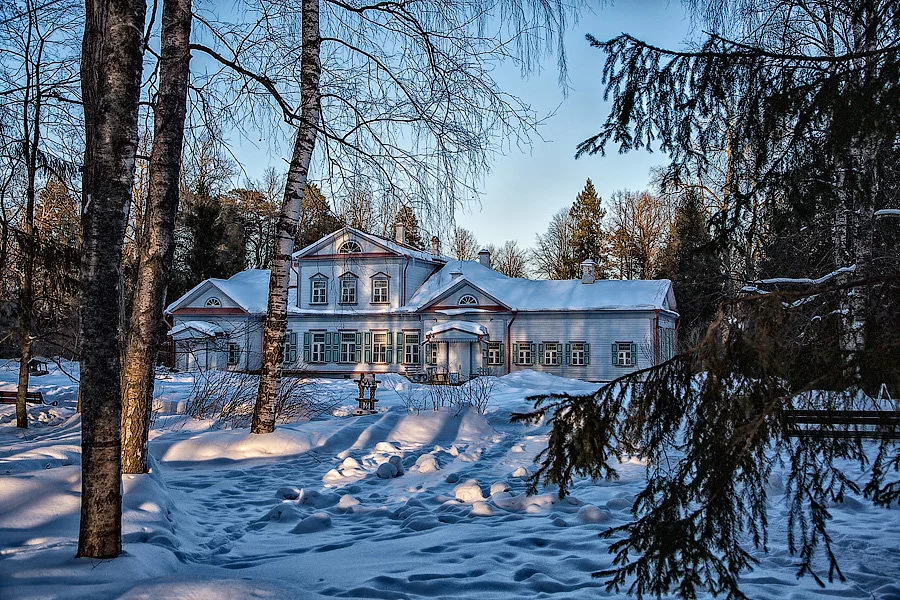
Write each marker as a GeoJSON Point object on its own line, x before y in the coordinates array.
{"type": "Point", "coordinates": [633, 354]}
{"type": "Point", "coordinates": [367, 347]}
{"type": "Point", "coordinates": [515, 353]}
{"type": "Point", "coordinates": [401, 348]}
{"type": "Point", "coordinates": [389, 354]}
{"type": "Point", "coordinates": [484, 354]}
{"type": "Point", "coordinates": [306, 346]}
{"type": "Point", "coordinates": [568, 354]}
{"type": "Point", "coordinates": [328, 344]}
{"type": "Point", "coordinates": [502, 353]}
{"type": "Point", "coordinates": [540, 354]}
{"type": "Point", "coordinates": [615, 354]}
{"type": "Point", "coordinates": [533, 346]}
{"type": "Point", "coordinates": [587, 354]}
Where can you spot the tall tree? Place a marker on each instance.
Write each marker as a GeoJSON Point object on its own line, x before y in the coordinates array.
{"type": "Point", "coordinates": [553, 255]}
{"type": "Point", "coordinates": [509, 259]}
{"type": "Point", "coordinates": [407, 217]}
{"type": "Point", "coordinates": [316, 217]}
{"type": "Point", "coordinates": [464, 244]}
{"type": "Point", "coordinates": [590, 240]}
{"type": "Point", "coordinates": [157, 249]}
{"type": "Point", "coordinates": [111, 64]}
{"type": "Point", "coordinates": [639, 223]}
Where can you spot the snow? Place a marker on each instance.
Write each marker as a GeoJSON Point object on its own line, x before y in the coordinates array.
{"type": "Point", "coordinates": [302, 513]}
{"type": "Point", "coordinates": [464, 326]}
{"type": "Point", "coordinates": [804, 280]}
{"type": "Point", "coordinates": [545, 295]}
{"type": "Point", "coordinates": [204, 328]}
{"type": "Point", "coordinates": [888, 212]}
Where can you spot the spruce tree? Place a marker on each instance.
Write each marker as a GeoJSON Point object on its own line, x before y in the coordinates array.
{"type": "Point", "coordinates": [316, 217]}
{"type": "Point", "coordinates": [589, 238]}
{"type": "Point", "coordinates": [408, 218]}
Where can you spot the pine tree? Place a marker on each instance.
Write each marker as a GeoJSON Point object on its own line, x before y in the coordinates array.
{"type": "Point", "coordinates": [589, 237]}
{"type": "Point", "coordinates": [408, 218]}
{"type": "Point", "coordinates": [690, 260]}
{"type": "Point", "coordinates": [316, 217]}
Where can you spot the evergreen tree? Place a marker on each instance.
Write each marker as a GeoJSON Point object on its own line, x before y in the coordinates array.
{"type": "Point", "coordinates": [316, 217]}
{"type": "Point", "coordinates": [408, 218]}
{"type": "Point", "coordinates": [689, 259]}
{"type": "Point", "coordinates": [589, 237]}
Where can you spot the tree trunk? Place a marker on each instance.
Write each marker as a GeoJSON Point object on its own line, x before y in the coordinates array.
{"type": "Point", "coordinates": [158, 244]}
{"type": "Point", "coordinates": [111, 80]}
{"type": "Point", "coordinates": [286, 233]}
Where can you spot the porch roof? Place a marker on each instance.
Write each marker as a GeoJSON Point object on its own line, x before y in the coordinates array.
{"type": "Point", "coordinates": [195, 330]}
{"type": "Point", "coordinates": [456, 331]}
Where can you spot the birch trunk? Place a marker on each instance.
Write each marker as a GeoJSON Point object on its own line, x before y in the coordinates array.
{"type": "Point", "coordinates": [286, 231]}
{"type": "Point", "coordinates": [158, 244]}
{"type": "Point", "coordinates": [110, 79]}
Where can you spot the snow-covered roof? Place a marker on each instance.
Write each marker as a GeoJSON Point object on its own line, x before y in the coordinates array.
{"type": "Point", "coordinates": [248, 289]}
{"type": "Point", "coordinates": [204, 328]}
{"type": "Point", "coordinates": [386, 243]}
{"type": "Point", "coordinates": [464, 326]}
{"type": "Point", "coordinates": [546, 295]}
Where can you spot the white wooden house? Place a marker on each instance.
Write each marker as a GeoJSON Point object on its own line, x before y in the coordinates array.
{"type": "Point", "coordinates": [362, 303]}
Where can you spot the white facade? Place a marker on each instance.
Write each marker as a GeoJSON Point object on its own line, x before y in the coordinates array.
{"type": "Point", "coordinates": [360, 303]}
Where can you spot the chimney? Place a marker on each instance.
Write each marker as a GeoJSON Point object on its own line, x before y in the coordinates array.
{"type": "Point", "coordinates": [484, 257]}
{"type": "Point", "coordinates": [435, 245]}
{"type": "Point", "coordinates": [587, 271]}
{"type": "Point", "coordinates": [400, 233]}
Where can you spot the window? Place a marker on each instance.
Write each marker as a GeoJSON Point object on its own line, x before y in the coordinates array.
{"type": "Point", "coordinates": [379, 291]}
{"type": "Point", "coordinates": [468, 300]}
{"type": "Point", "coordinates": [494, 353]}
{"type": "Point", "coordinates": [348, 347]}
{"type": "Point", "coordinates": [318, 347]}
{"type": "Point", "coordinates": [432, 353]}
{"type": "Point", "coordinates": [579, 354]}
{"type": "Point", "coordinates": [411, 349]}
{"type": "Point", "coordinates": [348, 289]}
{"type": "Point", "coordinates": [215, 302]}
{"type": "Point", "coordinates": [624, 354]}
{"type": "Point", "coordinates": [524, 352]}
{"type": "Point", "coordinates": [319, 291]}
{"type": "Point", "coordinates": [234, 354]}
{"type": "Point", "coordinates": [551, 353]}
{"type": "Point", "coordinates": [290, 347]}
{"type": "Point", "coordinates": [379, 347]}
{"type": "Point", "coordinates": [350, 247]}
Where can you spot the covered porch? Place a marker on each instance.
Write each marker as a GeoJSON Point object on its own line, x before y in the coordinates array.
{"type": "Point", "coordinates": [456, 352]}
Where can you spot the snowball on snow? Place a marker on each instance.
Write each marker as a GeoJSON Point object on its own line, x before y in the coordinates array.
{"type": "Point", "coordinates": [398, 464]}
{"type": "Point", "coordinates": [386, 471]}
{"type": "Point", "coordinates": [427, 463]}
{"type": "Point", "coordinates": [468, 491]}
{"type": "Point", "coordinates": [482, 509]}
{"type": "Point", "coordinates": [386, 447]}
{"type": "Point", "coordinates": [592, 514]}
{"type": "Point", "coordinates": [521, 473]}
{"type": "Point", "coordinates": [313, 523]}
{"type": "Point", "coordinates": [498, 487]}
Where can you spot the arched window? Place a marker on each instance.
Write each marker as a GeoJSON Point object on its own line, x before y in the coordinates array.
{"type": "Point", "coordinates": [468, 300]}
{"type": "Point", "coordinates": [350, 247]}
{"type": "Point", "coordinates": [214, 302]}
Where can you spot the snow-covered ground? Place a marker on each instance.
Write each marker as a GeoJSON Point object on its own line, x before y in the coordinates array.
{"type": "Point", "coordinates": [313, 511]}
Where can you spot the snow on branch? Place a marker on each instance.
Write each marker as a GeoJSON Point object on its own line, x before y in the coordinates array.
{"type": "Point", "coordinates": [806, 281]}
{"type": "Point", "coordinates": [887, 212]}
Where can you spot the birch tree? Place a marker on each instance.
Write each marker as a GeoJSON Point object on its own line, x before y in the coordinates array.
{"type": "Point", "coordinates": [157, 247]}
{"type": "Point", "coordinates": [400, 101]}
{"type": "Point", "coordinates": [111, 66]}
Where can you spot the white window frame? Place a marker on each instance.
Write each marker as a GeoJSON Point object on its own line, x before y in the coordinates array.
{"type": "Point", "coordinates": [525, 357]}
{"type": "Point", "coordinates": [577, 356]}
{"type": "Point", "coordinates": [467, 300]}
{"type": "Point", "coordinates": [350, 247]}
{"type": "Point", "coordinates": [551, 354]}
{"type": "Point", "coordinates": [412, 351]}
{"type": "Point", "coordinates": [379, 349]}
{"type": "Point", "coordinates": [346, 289]}
{"type": "Point", "coordinates": [623, 354]}
{"type": "Point", "coordinates": [349, 351]}
{"type": "Point", "coordinates": [213, 302]}
{"type": "Point", "coordinates": [319, 284]}
{"type": "Point", "coordinates": [493, 354]}
{"type": "Point", "coordinates": [379, 285]}
{"type": "Point", "coordinates": [317, 345]}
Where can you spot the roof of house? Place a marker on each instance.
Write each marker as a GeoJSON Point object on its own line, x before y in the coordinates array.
{"type": "Point", "coordinates": [464, 326]}
{"type": "Point", "coordinates": [545, 295]}
{"type": "Point", "coordinates": [248, 289]}
{"type": "Point", "coordinates": [202, 327]}
{"type": "Point", "coordinates": [386, 243]}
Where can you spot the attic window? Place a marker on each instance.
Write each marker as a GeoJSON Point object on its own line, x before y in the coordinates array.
{"type": "Point", "coordinates": [215, 302]}
{"type": "Point", "coordinates": [468, 300]}
{"type": "Point", "coordinates": [350, 247]}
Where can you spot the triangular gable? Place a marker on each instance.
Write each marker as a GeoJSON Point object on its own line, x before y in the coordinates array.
{"type": "Point", "coordinates": [203, 290]}
{"type": "Point", "coordinates": [450, 296]}
{"type": "Point", "coordinates": [335, 235]}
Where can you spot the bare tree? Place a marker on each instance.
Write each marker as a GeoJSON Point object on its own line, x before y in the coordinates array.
{"type": "Point", "coordinates": [509, 259]}
{"type": "Point", "coordinates": [157, 249]}
{"type": "Point", "coordinates": [464, 244]}
{"type": "Point", "coordinates": [411, 111]}
{"type": "Point", "coordinates": [639, 223]}
{"type": "Point", "coordinates": [111, 68]}
{"type": "Point", "coordinates": [553, 255]}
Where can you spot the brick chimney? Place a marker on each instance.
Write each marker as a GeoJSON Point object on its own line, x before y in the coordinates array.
{"type": "Point", "coordinates": [587, 271]}
{"type": "Point", "coordinates": [484, 257]}
{"type": "Point", "coordinates": [435, 245]}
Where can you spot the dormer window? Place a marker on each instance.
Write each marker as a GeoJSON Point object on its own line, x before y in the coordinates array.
{"type": "Point", "coordinates": [348, 288]}
{"type": "Point", "coordinates": [468, 300]}
{"type": "Point", "coordinates": [214, 302]}
{"type": "Point", "coordinates": [350, 247]}
{"type": "Point", "coordinates": [318, 293]}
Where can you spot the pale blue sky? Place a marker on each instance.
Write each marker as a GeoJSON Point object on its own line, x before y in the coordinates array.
{"type": "Point", "coordinates": [523, 190]}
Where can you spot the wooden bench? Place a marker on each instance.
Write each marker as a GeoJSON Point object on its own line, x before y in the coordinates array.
{"type": "Point", "coordinates": [845, 424]}
{"type": "Point", "coordinates": [9, 397]}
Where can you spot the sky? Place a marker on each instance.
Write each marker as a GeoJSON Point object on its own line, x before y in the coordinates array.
{"type": "Point", "coordinates": [525, 188]}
